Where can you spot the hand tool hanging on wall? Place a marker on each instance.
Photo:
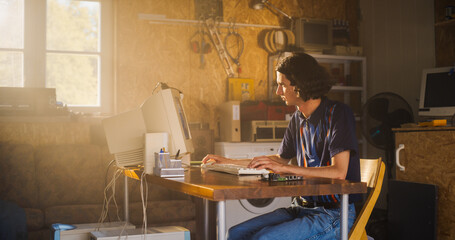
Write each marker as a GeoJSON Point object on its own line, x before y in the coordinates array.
{"type": "Point", "coordinates": [199, 44]}
{"type": "Point", "coordinates": [233, 42]}
{"type": "Point", "coordinates": [214, 35]}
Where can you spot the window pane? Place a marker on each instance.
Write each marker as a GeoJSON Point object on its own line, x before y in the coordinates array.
{"type": "Point", "coordinates": [12, 24]}
{"type": "Point", "coordinates": [73, 25]}
{"type": "Point", "coordinates": [11, 69]}
{"type": "Point", "coordinates": [75, 78]}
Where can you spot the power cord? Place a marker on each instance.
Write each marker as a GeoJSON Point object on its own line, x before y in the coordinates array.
{"type": "Point", "coordinates": [144, 200]}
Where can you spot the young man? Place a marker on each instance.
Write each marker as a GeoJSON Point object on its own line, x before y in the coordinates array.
{"type": "Point", "coordinates": [321, 136]}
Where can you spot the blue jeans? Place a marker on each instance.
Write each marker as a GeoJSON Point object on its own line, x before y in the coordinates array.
{"type": "Point", "coordinates": [12, 221]}
{"type": "Point", "coordinates": [293, 223]}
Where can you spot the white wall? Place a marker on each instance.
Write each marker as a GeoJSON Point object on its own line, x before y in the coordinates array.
{"type": "Point", "coordinates": [398, 41]}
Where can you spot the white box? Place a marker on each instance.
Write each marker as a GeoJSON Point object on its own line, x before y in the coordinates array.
{"type": "Point", "coordinates": [246, 149]}
{"type": "Point", "coordinates": [169, 172]}
{"type": "Point", "coordinates": [82, 231]}
{"type": "Point", "coordinates": [264, 130]}
{"type": "Point", "coordinates": [347, 50]}
{"type": "Point", "coordinates": [153, 233]}
{"type": "Point", "coordinates": [230, 121]}
{"type": "Point", "coordinates": [154, 142]}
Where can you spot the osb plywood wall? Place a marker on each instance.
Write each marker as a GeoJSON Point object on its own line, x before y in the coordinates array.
{"type": "Point", "coordinates": [45, 133]}
{"type": "Point", "coordinates": [148, 53]}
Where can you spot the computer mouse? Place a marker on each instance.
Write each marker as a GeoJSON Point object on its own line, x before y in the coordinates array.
{"type": "Point", "coordinates": [208, 163]}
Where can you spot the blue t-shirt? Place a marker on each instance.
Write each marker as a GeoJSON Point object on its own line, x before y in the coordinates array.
{"type": "Point", "coordinates": [315, 140]}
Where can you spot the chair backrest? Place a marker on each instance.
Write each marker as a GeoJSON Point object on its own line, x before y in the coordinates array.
{"type": "Point", "coordinates": [372, 173]}
{"type": "Point", "coordinates": [369, 169]}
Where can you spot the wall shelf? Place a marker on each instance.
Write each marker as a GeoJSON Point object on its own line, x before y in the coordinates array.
{"type": "Point", "coordinates": [347, 88]}
{"type": "Point", "coordinates": [161, 19]}
{"type": "Point", "coordinates": [450, 22]}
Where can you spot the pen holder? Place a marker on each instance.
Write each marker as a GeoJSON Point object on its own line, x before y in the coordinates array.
{"type": "Point", "coordinates": [162, 160]}
{"type": "Point", "coordinates": [166, 167]}
{"type": "Point", "coordinates": [176, 163]}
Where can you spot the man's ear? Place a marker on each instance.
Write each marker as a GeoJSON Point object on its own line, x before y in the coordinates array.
{"type": "Point", "coordinates": [297, 91]}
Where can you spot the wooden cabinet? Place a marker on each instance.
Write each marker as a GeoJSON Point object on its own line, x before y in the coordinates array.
{"type": "Point", "coordinates": [428, 157]}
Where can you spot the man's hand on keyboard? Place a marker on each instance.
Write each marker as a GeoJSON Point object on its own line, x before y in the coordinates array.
{"type": "Point", "coordinates": [224, 160]}
{"type": "Point", "coordinates": [216, 159]}
{"type": "Point", "coordinates": [268, 162]}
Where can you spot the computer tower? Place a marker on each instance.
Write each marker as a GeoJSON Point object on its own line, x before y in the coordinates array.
{"type": "Point", "coordinates": [412, 210]}
{"type": "Point", "coordinates": [82, 231]}
{"type": "Point", "coordinates": [153, 233]}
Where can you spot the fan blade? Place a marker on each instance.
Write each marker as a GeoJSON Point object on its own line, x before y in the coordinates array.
{"type": "Point", "coordinates": [379, 135]}
{"type": "Point", "coordinates": [398, 117]}
{"type": "Point", "coordinates": [378, 108]}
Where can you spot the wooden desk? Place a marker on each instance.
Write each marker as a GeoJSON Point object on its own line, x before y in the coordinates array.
{"type": "Point", "coordinates": [220, 187]}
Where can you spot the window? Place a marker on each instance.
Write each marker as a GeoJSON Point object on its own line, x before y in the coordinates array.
{"type": "Point", "coordinates": [61, 44]}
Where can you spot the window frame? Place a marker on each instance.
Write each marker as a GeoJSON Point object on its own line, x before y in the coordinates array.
{"type": "Point", "coordinates": [35, 52]}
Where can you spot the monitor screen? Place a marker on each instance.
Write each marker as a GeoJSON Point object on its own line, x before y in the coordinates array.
{"type": "Point", "coordinates": [437, 96]}
{"type": "Point", "coordinates": [317, 33]}
{"type": "Point", "coordinates": [313, 35]}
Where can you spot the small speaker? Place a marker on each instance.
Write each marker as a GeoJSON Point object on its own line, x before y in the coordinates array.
{"type": "Point", "coordinates": [452, 120]}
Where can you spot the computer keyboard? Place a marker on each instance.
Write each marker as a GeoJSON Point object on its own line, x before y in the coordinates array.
{"type": "Point", "coordinates": [234, 169]}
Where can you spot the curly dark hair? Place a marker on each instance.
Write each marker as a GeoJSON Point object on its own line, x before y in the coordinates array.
{"type": "Point", "coordinates": [312, 81]}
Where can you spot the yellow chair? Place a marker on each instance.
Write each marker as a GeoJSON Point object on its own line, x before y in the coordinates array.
{"type": "Point", "coordinates": [372, 173]}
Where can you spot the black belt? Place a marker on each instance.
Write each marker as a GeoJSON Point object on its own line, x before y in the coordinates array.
{"type": "Point", "coordinates": [326, 205]}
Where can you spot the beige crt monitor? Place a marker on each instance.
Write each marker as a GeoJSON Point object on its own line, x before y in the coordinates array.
{"type": "Point", "coordinates": [134, 136]}
{"type": "Point", "coordinates": [163, 112]}
{"type": "Point", "coordinates": [125, 137]}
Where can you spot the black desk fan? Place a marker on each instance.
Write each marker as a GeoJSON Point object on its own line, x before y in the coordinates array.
{"type": "Point", "coordinates": [380, 114]}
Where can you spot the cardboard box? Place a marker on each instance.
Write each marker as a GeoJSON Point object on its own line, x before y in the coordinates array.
{"type": "Point", "coordinates": [278, 112]}
{"type": "Point", "coordinates": [263, 131]}
{"type": "Point", "coordinates": [260, 110]}
{"type": "Point", "coordinates": [347, 50]}
{"type": "Point", "coordinates": [230, 121]}
{"type": "Point", "coordinates": [253, 111]}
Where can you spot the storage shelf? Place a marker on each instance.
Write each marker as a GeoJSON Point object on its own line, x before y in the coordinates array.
{"type": "Point", "coordinates": [445, 23]}
{"type": "Point", "coordinates": [347, 88]}
{"type": "Point", "coordinates": [338, 57]}
{"type": "Point", "coordinates": [161, 19]}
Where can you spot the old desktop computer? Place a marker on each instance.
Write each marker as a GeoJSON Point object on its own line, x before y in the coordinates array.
{"type": "Point", "coordinates": [82, 231]}
{"type": "Point", "coordinates": [153, 233]}
{"type": "Point", "coordinates": [437, 100]}
{"type": "Point", "coordinates": [160, 122]}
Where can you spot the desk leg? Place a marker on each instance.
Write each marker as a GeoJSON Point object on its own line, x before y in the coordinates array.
{"type": "Point", "coordinates": [221, 212]}
{"type": "Point", "coordinates": [205, 204]}
{"type": "Point", "coordinates": [126, 203]}
{"type": "Point", "coordinates": [344, 216]}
